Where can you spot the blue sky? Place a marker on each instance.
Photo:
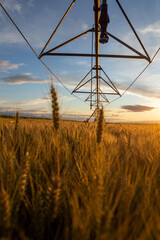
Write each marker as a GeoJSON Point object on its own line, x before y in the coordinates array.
{"type": "Point", "coordinates": [25, 84]}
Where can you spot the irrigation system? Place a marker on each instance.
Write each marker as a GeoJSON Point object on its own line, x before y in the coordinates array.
{"type": "Point", "coordinates": [101, 20]}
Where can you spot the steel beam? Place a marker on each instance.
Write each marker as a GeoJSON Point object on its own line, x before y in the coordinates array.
{"type": "Point", "coordinates": [94, 55]}
{"type": "Point", "coordinates": [95, 93]}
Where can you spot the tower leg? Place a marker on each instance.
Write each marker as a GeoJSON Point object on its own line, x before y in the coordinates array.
{"type": "Point", "coordinates": [97, 16]}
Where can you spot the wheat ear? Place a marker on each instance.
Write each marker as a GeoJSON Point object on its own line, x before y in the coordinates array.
{"type": "Point", "coordinates": [56, 120]}
{"type": "Point", "coordinates": [23, 175]}
{"type": "Point", "coordinates": [55, 108]}
{"type": "Point", "coordinates": [53, 195]}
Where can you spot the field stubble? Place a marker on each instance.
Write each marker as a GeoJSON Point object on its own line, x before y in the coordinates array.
{"type": "Point", "coordinates": [107, 191]}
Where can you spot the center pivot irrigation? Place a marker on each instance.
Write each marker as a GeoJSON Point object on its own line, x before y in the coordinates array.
{"type": "Point", "coordinates": [99, 35]}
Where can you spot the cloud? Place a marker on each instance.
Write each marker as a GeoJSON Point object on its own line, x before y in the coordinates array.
{"type": "Point", "coordinates": [149, 36]}
{"type": "Point", "coordinates": [17, 7]}
{"type": "Point", "coordinates": [10, 36]}
{"type": "Point", "coordinates": [22, 78]}
{"type": "Point", "coordinates": [34, 102]}
{"type": "Point", "coordinates": [137, 108]}
{"type": "Point", "coordinates": [146, 91]}
{"type": "Point", "coordinates": [152, 28]}
{"type": "Point", "coordinates": [6, 65]}
{"type": "Point", "coordinates": [3, 101]}
{"type": "Point", "coordinates": [32, 31]}
{"type": "Point", "coordinates": [148, 85]}
{"type": "Point", "coordinates": [25, 112]}
{"type": "Point", "coordinates": [110, 116]}
{"type": "Point", "coordinates": [141, 91]}
{"type": "Point", "coordinates": [46, 113]}
{"type": "Point", "coordinates": [41, 112]}
{"type": "Point", "coordinates": [37, 27]}
{"type": "Point", "coordinates": [85, 27]}
{"type": "Point", "coordinates": [12, 5]}
{"type": "Point", "coordinates": [82, 63]}
{"type": "Point", "coordinates": [44, 100]}
{"type": "Point", "coordinates": [64, 99]}
{"type": "Point", "coordinates": [31, 3]}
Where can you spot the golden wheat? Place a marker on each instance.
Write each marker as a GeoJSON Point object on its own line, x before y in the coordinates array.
{"type": "Point", "coordinates": [100, 125]}
{"type": "Point", "coordinates": [55, 108]}
{"type": "Point", "coordinates": [17, 121]}
{"type": "Point", "coordinates": [105, 191]}
{"type": "Point", "coordinates": [5, 212]}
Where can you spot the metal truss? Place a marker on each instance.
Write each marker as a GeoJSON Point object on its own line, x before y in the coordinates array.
{"type": "Point", "coordinates": [97, 91]}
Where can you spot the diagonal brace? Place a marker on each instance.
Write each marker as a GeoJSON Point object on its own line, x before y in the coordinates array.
{"type": "Point", "coordinates": [82, 80]}
{"type": "Point", "coordinates": [58, 26]}
{"type": "Point", "coordinates": [133, 29]}
{"type": "Point", "coordinates": [111, 82]}
{"type": "Point", "coordinates": [114, 89]}
{"type": "Point", "coordinates": [126, 45]}
{"type": "Point", "coordinates": [71, 40]}
{"type": "Point", "coordinates": [83, 84]}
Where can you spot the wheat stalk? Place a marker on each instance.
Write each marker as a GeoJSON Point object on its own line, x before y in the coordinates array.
{"type": "Point", "coordinates": [5, 210]}
{"type": "Point", "coordinates": [17, 121]}
{"type": "Point", "coordinates": [100, 125]}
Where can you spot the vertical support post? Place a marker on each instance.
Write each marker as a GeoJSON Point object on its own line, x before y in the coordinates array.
{"type": "Point", "coordinates": [97, 16]}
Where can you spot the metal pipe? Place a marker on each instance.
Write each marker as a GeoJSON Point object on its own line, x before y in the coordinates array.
{"type": "Point", "coordinates": [97, 16]}
{"type": "Point", "coordinates": [58, 26]}
{"type": "Point", "coordinates": [94, 55]}
{"type": "Point", "coordinates": [91, 103]}
{"type": "Point", "coordinates": [95, 93]}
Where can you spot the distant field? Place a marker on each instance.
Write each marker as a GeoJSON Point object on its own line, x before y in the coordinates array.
{"type": "Point", "coordinates": [106, 191]}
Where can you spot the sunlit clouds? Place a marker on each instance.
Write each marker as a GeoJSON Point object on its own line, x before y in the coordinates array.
{"type": "Point", "coordinates": [25, 83]}
{"type": "Point", "coordinates": [21, 79]}
{"type": "Point", "coordinates": [5, 66]}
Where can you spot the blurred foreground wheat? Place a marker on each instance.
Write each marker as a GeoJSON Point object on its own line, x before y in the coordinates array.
{"type": "Point", "coordinates": [107, 191]}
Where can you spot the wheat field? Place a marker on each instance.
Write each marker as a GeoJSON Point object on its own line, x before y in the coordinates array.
{"type": "Point", "coordinates": [106, 190]}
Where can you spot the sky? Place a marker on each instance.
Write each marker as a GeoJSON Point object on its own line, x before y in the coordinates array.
{"type": "Point", "coordinates": [25, 82]}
